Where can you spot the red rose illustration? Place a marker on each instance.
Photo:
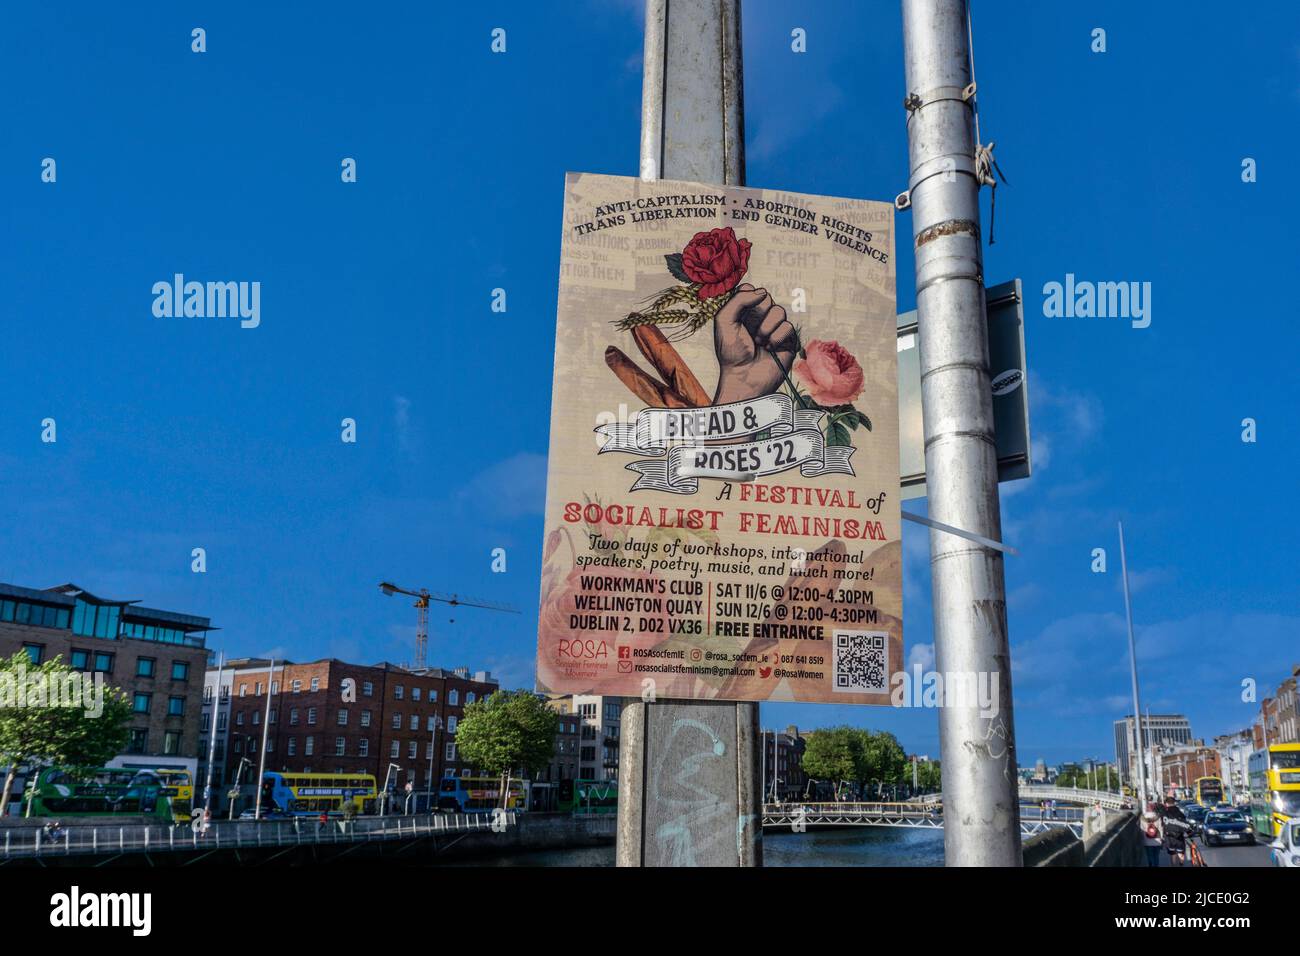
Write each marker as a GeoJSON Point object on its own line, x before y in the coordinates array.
{"type": "Point", "coordinates": [717, 260]}
{"type": "Point", "coordinates": [832, 375]}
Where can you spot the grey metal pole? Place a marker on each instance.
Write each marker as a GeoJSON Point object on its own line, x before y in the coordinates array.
{"type": "Point", "coordinates": [212, 739]}
{"type": "Point", "coordinates": [1139, 738]}
{"type": "Point", "coordinates": [982, 813]}
{"type": "Point", "coordinates": [692, 128]}
{"type": "Point", "coordinates": [266, 726]}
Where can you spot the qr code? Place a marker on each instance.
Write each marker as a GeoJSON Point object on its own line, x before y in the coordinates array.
{"type": "Point", "coordinates": [861, 659]}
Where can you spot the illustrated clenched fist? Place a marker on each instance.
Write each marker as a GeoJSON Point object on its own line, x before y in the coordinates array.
{"type": "Point", "coordinates": [756, 345]}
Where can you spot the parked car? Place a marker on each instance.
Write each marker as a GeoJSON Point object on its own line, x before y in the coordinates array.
{"type": "Point", "coordinates": [1195, 814]}
{"type": "Point", "coordinates": [1286, 848]}
{"type": "Point", "coordinates": [1228, 826]}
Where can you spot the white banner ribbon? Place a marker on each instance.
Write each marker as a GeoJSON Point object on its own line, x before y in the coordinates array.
{"type": "Point", "coordinates": [686, 443]}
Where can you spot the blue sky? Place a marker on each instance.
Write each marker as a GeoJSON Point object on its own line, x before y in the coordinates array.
{"type": "Point", "coordinates": [183, 433]}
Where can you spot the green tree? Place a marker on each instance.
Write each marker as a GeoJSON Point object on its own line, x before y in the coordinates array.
{"type": "Point", "coordinates": [62, 736]}
{"type": "Point", "coordinates": [508, 730]}
{"type": "Point", "coordinates": [833, 754]}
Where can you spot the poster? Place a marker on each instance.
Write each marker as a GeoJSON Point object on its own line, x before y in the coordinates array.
{"type": "Point", "coordinates": [722, 512]}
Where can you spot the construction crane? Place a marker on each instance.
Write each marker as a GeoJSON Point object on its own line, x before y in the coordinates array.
{"type": "Point", "coordinates": [422, 599]}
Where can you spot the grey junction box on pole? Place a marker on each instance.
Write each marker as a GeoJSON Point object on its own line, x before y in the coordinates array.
{"type": "Point", "coordinates": [689, 783]}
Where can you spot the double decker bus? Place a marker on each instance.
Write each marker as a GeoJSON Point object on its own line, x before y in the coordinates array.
{"type": "Point", "coordinates": [308, 794]}
{"type": "Point", "coordinates": [480, 795]}
{"type": "Point", "coordinates": [179, 787]}
{"type": "Point", "coordinates": [1208, 791]}
{"type": "Point", "coordinates": [588, 796]}
{"type": "Point", "coordinates": [1274, 775]}
{"type": "Point", "coordinates": [106, 792]}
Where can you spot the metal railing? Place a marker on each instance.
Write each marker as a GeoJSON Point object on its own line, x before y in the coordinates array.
{"type": "Point", "coordinates": [876, 814]}
{"type": "Point", "coordinates": [241, 834]}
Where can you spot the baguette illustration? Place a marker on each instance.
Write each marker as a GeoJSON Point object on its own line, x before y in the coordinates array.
{"type": "Point", "coordinates": [655, 347]}
{"type": "Point", "coordinates": [642, 385]}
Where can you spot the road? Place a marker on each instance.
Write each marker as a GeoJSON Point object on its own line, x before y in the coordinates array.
{"type": "Point", "coordinates": [1257, 855]}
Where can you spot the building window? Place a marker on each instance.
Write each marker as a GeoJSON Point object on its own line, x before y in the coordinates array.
{"type": "Point", "coordinates": [365, 718]}
{"type": "Point", "coordinates": [363, 747]}
{"type": "Point", "coordinates": [243, 690]}
{"type": "Point", "coordinates": [428, 750]}
{"type": "Point", "coordinates": [175, 706]}
{"type": "Point", "coordinates": [449, 753]}
{"type": "Point", "coordinates": [398, 691]}
{"type": "Point", "coordinates": [310, 747]}
{"type": "Point", "coordinates": [144, 667]}
{"type": "Point", "coordinates": [139, 742]}
{"type": "Point", "coordinates": [104, 663]}
{"type": "Point", "coordinates": [273, 716]}
{"type": "Point", "coordinates": [79, 660]}
{"type": "Point", "coordinates": [469, 698]}
{"type": "Point", "coordinates": [432, 722]}
{"type": "Point", "coordinates": [433, 697]}
{"type": "Point", "coordinates": [221, 722]}
{"type": "Point", "coordinates": [315, 683]}
{"type": "Point", "coordinates": [394, 751]}
{"type": "Point", "coordinates": [257, 718]}
{"type": "Point", "coordinates": [172, 743]}
{"type": "Point", "coordinates": [397, 721]}
{"type": "Point", "coordinates": [311, 715]}
{"type": "Point", "coordinates": [293, 716]}
{"type": "Point", "coordinates": [415, 721]}
{"type": "Point", "coordinates": [411, 749]}
{"type": "Point", "coordinates": [207, 693]}
{"type": "Point", "coordinates": [291, 746]}
{"type": "Point", "coordinates": [451, 724]}
{"type": "Point", "coordinates": [258, 692]}
{"type": "Point", "coordinates": [239, 719]}
{"type": "Point", "coordinates": [343, 716]}
{"type": "Point", "coordinates": [453, 698]}
{"type": "Point", "coordinates": [140, 703]}
{"type": "Point", "coordinates": [368, 688]}
{"type": "Point", "coordinates": [296, 686]}
{"type": "Point", "coordinates": [34, 652]}
{"type": "Point", "coordinates": [180, 670]}
{"type": "Point", "coordinates": [340, 746]}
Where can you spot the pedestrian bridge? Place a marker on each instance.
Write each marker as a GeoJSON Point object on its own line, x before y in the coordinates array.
{"type": "Point", "coordinates": [915, 815]}
{"type": "Point", "coordinates": [1032, 793]}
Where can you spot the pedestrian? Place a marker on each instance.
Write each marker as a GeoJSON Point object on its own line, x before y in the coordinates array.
{"type": "Point", "coordinates": [323, 820]}
{"type": "Point", "coordinates": [1175, 826]}
{"type": "Point", "coordinates": [1151, 837]}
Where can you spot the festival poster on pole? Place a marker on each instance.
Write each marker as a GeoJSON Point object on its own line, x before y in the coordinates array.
{"type": "Point", "coordinates": [722, 512]}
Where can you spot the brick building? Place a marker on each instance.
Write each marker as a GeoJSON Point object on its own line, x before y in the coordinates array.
{"type": "Point", "coordinates": [783, 776]}
{"type": "Point", "coordinates": [157, 657]}
{"type": "Point", "coordinates": [329, 716]}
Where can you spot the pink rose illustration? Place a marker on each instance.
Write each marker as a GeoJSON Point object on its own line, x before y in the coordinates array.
{"type": "Point", "coordinates": [832, 375]}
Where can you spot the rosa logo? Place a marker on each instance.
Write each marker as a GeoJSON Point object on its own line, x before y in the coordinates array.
{"type": "Point", "coordinates": [583, 649]}
{"type": "Point", "coordinates": [716, 259]}
{"type": "Point", "coordinates": [1007, 382]}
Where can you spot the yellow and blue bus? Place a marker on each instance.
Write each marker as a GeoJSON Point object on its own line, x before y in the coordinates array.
{"type": "Point", "coordinates": [179, 788]}
{"type": "Point", "coordinates": [1208, 791]}
{"type": "Point", "coordinates": [108, 791]}
{"type": "Point", "coordinates": [1274, 775]}
{"type": "Point", "coordinates": [310, 794]}
{"type": "Point", "coordinates": [480, 794]}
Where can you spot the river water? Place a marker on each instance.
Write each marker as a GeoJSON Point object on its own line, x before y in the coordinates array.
{"type": "Point", "coordinates": [849, 846]}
